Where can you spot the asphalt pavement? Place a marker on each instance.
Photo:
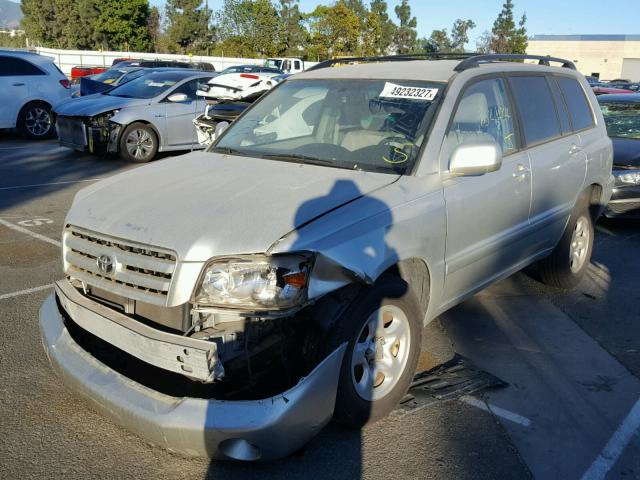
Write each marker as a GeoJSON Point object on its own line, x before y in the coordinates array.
{"type": "Point", "coordinates": [571, 361]}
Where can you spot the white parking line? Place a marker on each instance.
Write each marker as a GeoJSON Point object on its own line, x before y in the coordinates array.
{"type": "Point", "coordinates": [51, 183]}
{"type": "Point", "coordinates": [25, 292]}
{"type": "Point", "coordinates": [500, 412]}
{"type": "Point", "coordinates": [26, 231]}
{"type": "Point", "coordinates": [615, 446]}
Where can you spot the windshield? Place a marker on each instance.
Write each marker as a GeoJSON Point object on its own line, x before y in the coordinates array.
{"type": "Point", "coordinates": [147, 86]}
{"type": "Point", "coordinates": [272, 62]}
{"type": "Point", "coordinates": [372, 125]}
{"type": "Point", "coordinates": [622, 119]}
{"type": "Point", "coordinates": [108, 76]}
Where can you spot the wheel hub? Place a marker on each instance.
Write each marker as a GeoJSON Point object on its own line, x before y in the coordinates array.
{"type": "Point", "coordinates": [381, 353]}
{"type": "Point", "coordinates": [579, 246]}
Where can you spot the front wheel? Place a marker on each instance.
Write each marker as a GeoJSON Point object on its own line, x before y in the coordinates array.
{"type": "Point", "coordinates": [383, 328]}
{"type": "Point", "coordinates": [138, 143]}
{"type": "Point", "coordinates": [567, 264]}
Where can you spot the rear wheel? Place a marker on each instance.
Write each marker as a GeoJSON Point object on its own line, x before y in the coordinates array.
{"type": "Point", "coordinates": [568, 263]}
{"type": "Point", "coordinates": [138, 143]}
{"type": "Point", "coordinates": [383, 328]}
{"type": "Point", "coordinates": [35, 121]}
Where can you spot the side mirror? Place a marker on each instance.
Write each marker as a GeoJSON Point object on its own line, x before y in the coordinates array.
{"type": "Point", "coordinates": [178, 98]}
{"type": "Point", "coordinates": [475, 158]}
{"type": "Point", "coordinates": [220, 128]}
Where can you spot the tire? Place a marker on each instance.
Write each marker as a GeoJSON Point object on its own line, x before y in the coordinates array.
{"type": "Point", "coordinates": [138, 143]}
{"type": "Point", "coordinates": [568, 263]}
{"type": "Point", "coordinates": [36, 122]}
{"type": "Point", "coordinates": [358, 401]}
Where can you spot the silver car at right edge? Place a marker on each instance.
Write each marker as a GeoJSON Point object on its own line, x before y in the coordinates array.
{"type": "Point", "coordinates": [229, 303]}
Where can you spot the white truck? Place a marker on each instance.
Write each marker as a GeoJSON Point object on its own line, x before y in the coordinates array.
{"type": "Point", "coordinates": [287, 65]}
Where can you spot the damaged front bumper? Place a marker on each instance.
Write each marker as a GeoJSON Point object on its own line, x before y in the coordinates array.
{"type": "Point", "coordinates": [248, 430]}
{"type": "Point", "coordinates": [86, 134]}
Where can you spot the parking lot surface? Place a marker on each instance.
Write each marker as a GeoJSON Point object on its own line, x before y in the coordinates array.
{"type": "Point", "coordinates": [571, 361]}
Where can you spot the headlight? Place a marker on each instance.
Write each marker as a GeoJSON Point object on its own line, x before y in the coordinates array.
{"type": "Point", "coordinates": [628, 176]}
{"type": "Point", "coordinates": [102, 119]}
{"type": "Point", "coordinates": [255, 282]}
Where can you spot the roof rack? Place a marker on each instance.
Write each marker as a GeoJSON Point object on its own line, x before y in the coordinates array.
{"type": "Point", "coordinates": [391, 58]}
{"type": "Point", "coordinates": [476, 60]}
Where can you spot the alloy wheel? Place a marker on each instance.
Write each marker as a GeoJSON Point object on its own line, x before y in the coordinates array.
{"type": "Point", "coordinates": [38, 121]}
{"type": "Point", "coordinates": [139, 143]}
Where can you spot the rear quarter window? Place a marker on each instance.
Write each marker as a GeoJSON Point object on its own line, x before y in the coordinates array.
{"type": "Point", "coordinates": [579, 109]}
{"type": "Point", "coordinates": [537, 109]}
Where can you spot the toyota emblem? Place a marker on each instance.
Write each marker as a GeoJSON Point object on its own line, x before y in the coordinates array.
{"type": "Point", "coordinates": [105, 264]}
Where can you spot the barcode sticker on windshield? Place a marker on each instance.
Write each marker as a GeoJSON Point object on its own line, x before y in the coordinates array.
{"type": "Point", "coordinates": [391, 90]}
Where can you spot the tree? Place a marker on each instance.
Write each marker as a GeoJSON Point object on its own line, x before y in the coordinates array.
{"type": "Point", "coordinates": [405, 34]}
{"type": "Point", "coordinates": [483, 43]}
{"type": "Point", "coordinates": [460, 34]}
{"type": "Point", "coordinates": [39, 22]}
{"type": "Point", "coordinates": [379, 29]}
{"type": "Point", "coordinates": [505, 37]}
{"type": "Point", "coordinates": [293, 35]}
{"type": "Point", "coordinates": [249, 28]}
{"type": "Point", "coordinates": [123, 24]}
{"type": "Point", "coordinates": [334, 30]}
{"type": "Point", "coordinates": [187, 23]}
{"type": "Point", "coordinates": [153, 26]}
{"type": "Point", "coordinates": [441, 41]}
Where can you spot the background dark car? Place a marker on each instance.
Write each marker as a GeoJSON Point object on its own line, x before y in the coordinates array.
{"type": "Point", "coordinates": [622, 116]}
{"type": "Point", "coordinates": [251, 69]}
{"type": "Point", "coordinates": [607, 89]}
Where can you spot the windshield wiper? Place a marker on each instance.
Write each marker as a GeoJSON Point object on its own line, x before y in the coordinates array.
{"type": "Point", "coordinates": [227, 151]}
{"type": "Point", "coordinates": [297, 156]}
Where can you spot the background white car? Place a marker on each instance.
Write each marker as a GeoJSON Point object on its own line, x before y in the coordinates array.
{"type": "Point", "coordinates": [30, 85]}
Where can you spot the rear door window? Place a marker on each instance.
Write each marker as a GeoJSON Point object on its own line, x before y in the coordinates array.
{"type": "Point", "coordinates": [563, 114]}
{"type": "Point", "coordinates": [13, 67]}
{"type": "Point", "coordinates": [537, 109]}
{"type": "Point", "coordinates": [579, 110]}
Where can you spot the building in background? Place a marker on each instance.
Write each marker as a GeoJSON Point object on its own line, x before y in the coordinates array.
{"type": "Point", "coordinates": [607, 57]}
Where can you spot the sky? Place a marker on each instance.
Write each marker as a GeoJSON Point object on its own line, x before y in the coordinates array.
{"type": "Point", "coordinates": [559, 17]}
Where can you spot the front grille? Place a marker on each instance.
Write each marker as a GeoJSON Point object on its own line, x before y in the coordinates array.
{"type": "Point", "coordinates": [139, 272]}
{"type": "Point", "coordinates": [71, 132]}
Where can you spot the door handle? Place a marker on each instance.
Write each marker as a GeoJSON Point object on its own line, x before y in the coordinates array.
{"type": "Point", "coordinates": [521, 172]}
{"type": "Point", "coordinates": [574, 149]}
{"type": "Point", "coordinates": [18, 84]}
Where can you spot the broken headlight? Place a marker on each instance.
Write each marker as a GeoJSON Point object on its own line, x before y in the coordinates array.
{"type": "Point", "coordinates": [257, 282]}
{"type": "Point", "coordinates": [102, 120]}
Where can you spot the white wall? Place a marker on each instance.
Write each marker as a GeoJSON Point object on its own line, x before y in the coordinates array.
{"type": "Point", "coordinates": [67, 59]}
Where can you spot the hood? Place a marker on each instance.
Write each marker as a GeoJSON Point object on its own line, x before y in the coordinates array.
{"type": "Point", "coordinates": [96, 104]}
{"type": "Point", "coordinates": [203, 204]}
{"type": "Point", "coordinates": [626, 152]}
{"type": "Point", "coordinates": [89, 86]}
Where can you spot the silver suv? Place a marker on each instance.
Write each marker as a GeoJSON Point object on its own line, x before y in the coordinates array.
{"type": "Point", "coordinates": [229, 303]}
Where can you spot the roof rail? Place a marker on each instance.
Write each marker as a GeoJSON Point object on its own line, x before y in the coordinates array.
{"type": "Point", "coordinates": [391, 58]}
{"type": "Point", "coordinates": [476, 60]}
